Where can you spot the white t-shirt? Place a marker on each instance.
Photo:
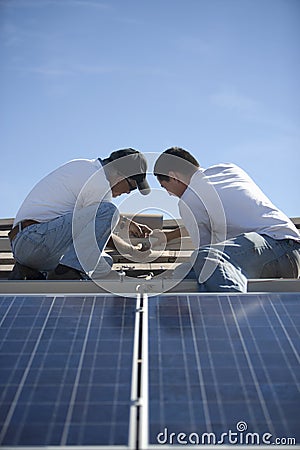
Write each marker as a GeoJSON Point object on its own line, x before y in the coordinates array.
{"type": "Point", "coordinates": [58, 193]}
{"type": "Point", "coordinates": [222, 202]}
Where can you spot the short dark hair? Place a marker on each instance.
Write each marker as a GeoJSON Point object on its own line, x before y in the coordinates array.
{"type": "Point", "coordinates": [119, 154]}
{"type": "Point", "coordinates": [171, 159]}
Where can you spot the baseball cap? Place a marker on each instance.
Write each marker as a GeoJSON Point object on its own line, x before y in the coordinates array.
{"type": "Point", "coordinates": [132, 164]}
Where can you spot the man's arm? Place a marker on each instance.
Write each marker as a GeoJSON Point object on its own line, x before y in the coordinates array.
{"type": "Point", "coordinates": [117, 243]}
{"type": "Point", "coordinates": [135, 229]}
{"type": "Point", "coordinates": [174, 234]}
{"type": "Point", "coordinates": [159, 238]}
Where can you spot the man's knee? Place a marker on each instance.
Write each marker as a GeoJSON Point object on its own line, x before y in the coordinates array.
{"type": "Point", "coordinates": [208, 262]}
{"type": "Point", "coordinates": [207, 253]}
{"type": "Point", "coordinates": [107, 208]}
{"type": "Point", "coordinates": [217, 273]}
{"type": "Point", "coordinates": [108, 212]}
{"type": "Point", "coordinates": [103, 266]}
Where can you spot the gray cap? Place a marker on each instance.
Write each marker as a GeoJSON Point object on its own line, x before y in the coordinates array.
{"type": "Point", "coordinates": [132, 164]}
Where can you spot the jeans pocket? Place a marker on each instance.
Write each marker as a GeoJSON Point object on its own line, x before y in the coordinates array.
{"type": "Point", "coordinates": [31, 253]}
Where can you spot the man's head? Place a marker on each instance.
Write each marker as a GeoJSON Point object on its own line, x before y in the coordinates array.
{"type": "Point", "coordinates": [127, 170]}
{"type": "Point", "coordinates": [174, 169]}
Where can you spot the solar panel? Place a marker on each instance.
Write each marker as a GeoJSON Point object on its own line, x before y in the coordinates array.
{"type": "Point", "coordinates": [204, 368]}
{"type": "Point", "coordinates": [224, 370]}
{"type": "Point", "coordinates": [65, 377]}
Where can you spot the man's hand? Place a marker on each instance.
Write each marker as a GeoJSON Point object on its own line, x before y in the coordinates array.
{"type": "Point", "coordinates": [137, 252]}
{"type": "Point", "coordinates": [158, 239]}
{"type": "Point", "coordinates": [138, 230]}
{"type": "Point", "coordinates": [139, 255]}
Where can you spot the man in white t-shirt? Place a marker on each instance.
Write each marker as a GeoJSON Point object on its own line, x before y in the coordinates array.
{"type": "Point", "coordinates": [236, 230]}
{"type": "Point", "coordinates": [68, 218]}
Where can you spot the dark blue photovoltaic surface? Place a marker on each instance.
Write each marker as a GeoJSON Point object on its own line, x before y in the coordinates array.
{"type": "Point", "coordinates": [65, 374]}
{"type": "Point", "coordinates": [218, 361]}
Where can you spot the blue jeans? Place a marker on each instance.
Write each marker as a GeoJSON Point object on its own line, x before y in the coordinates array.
{"type": "Point", "coordinates": [250, 255]}
{"type": "Point", "coordinates": [75, 243]}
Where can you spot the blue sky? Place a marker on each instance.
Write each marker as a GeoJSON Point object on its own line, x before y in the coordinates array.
{"type": "Point", "coordinates": [81, 78]}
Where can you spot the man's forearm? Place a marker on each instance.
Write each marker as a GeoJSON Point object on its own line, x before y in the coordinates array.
{"type": "Point", "coordinates": [117, 243]}
{"type": "Point", "coordinates": [174, 234]}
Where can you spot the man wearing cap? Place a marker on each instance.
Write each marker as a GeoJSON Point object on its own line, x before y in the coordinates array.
{"type": "Point", "coordinates": [67, 219]}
